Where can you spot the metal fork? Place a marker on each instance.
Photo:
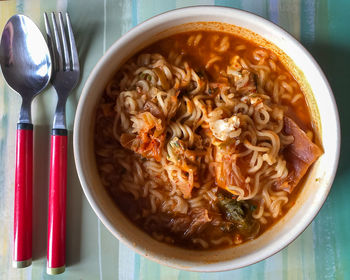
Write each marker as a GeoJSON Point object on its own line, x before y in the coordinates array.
{"type": "Point", "coordinates": [65, 77]}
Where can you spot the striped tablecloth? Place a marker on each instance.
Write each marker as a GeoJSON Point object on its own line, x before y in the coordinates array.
{"type": "Point", "coordinates": [321, 252]}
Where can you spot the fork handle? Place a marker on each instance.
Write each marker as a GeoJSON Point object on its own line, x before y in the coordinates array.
{"type": "Point", "coordinates": [22, 238]}
{"type": "Point", "coordinates": [56, 241]}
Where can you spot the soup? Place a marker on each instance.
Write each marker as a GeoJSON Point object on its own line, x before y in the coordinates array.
{"type": "Point", "coordinates": [203, 138]}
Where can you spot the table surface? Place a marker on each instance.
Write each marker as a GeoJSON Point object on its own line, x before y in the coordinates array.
{"type": "Point", "coordinates": [321, 252]}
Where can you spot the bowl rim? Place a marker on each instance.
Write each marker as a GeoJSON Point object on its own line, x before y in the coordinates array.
{"type": "Point", "coordinates": [273, 248]}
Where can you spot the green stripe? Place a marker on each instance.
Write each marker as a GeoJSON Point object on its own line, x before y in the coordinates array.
{"type": "Point", "coordinates": [324, 238]}
{"type": "Point", "coordinates": [168, 273]}
{"type": "Point", "coordinates": [149, 270]}
{"type": "Point", "coordinates": [188, 275]}
{"type": "Point", "coordinates": [117, 23]}
{"type": "Point", "coordinates": [214, 276]}
{"type": "Point", "coordinates": [238, 274]}
{"type": "Point", "coordinates": [82, 242]}
{"type": "Point", "coordinates": [109, 254]}
{"type": "Point", "coordinates": [257, 7]}
{"type": "Point", "coordinates": [147, 9]}
{"type": "Point", "coordinates": [324, 235]}
{"type": "Point", "coordinates": [274, 266]}
{"type": "Point", "coordinates": [307, 254]}
{"type": "Point", "coordinates": [186, 3]}
{"type": "Point", "coordinates": [4, 239]}
{"type": "Point", "coordinates": [20, 6]}
{"type": "Point", "coordinates": [285, 263]}
{"type": "Point", "coordinates": [336, 49]}
{"type": "Point", "coordinates": [294, 252]}
{"type": "Point", "coordinates": [289, 17]}
{"type": "Point", "coordinates": [229, 3]}
{"type": "Point", "coordinates": [255, 271]}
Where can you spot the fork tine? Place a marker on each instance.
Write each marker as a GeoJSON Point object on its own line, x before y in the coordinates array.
{"type": "Point", "coordinates": [49, 39]}
{"type": "Point", "coordinates": [57, 46]}
{"type": "Point", "coordinates": [64, 43]}
{"type": "Point", "coordinates": [73, 48]}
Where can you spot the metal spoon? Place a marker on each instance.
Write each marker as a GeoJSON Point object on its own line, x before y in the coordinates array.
{"type": "Point", "coordinates": [26, 65]}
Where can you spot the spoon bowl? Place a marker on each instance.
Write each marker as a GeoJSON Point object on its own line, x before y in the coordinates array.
{"type": "Point", "coordinates": [25, 60]}
{"type": "Point", "coordinates": [26, 65]}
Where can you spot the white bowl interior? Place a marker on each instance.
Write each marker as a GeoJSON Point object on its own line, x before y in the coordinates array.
{"type": "Point", "coordinates": [311, 197]}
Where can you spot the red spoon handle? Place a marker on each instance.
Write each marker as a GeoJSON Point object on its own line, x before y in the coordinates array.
{"type": "Point", "coordinates": [22, 238]}
{"type": "Point", "coordinates": [56, 241]}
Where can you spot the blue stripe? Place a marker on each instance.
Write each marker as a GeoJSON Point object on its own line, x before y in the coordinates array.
{"type": "Point", "coordinates": [137, 266]}
{"type": "Point", "coordinates": [307, 22]}
{"type": "Point", "coordinates": [134, 13]}
{"type": "Point", "coordinates": [274, 11]}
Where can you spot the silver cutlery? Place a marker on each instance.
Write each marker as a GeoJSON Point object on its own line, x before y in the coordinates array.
{"type": "Point", "coordinates": [26, 65]}
{"type": "Point", "coordinates": [65, 77]}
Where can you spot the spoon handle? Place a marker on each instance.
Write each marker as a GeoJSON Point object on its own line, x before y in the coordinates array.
{"type": "Point", "coordinates": [56, 241]}
{"type": "Point", "coordinates": [22, 249]}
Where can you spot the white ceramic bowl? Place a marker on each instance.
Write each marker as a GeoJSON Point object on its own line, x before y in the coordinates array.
{"type": "Point", "coordinates": [310, 199]}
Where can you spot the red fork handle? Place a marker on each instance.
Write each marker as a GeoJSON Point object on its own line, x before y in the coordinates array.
{"type": "Point", "coordinates": [22, 237]}
{"type": "Point", "coordinates": [56, 239]}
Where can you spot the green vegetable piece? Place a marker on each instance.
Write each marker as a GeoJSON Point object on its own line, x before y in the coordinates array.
{"type": "Point", "coordinates": [227, 227]}
{"type": "Point", "coordinates": [238, 216]}
{"type": "Point", "coordinates": [232, 209]}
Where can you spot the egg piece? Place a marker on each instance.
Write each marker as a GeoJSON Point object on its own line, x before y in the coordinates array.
{"type": "Point", "coordinates": [226, 128]}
